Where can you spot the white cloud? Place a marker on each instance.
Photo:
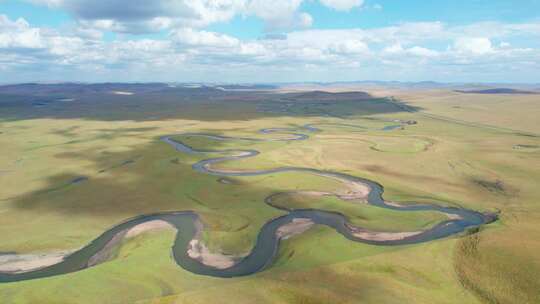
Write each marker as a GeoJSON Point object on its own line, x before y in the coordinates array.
{"type": "Point", "coordinates": [279, 14]}
{"type": "Point", "coordinates": [408, 32]}
{"type": "Point", "coordinates": [473, 45]}
{"type": "Point", "coordinates": [49, 3]}
{"type": "Point", "coordinates": [269, 10]}
{"type": "Point", "coordinates": [138, 16]}
{"type": "Point", "coordinates": [504, 45]}
{"type": "Point", "coordinates": [422, 52]}
{"type": "Point", "coordinates": [6, 24]}
{"type": "Point", "coordinates": [404, 48]}
{"type": "Point", "coordinates": [305, 20]}
{"type": "Point", "coordinates": [342, 5]}
{"type": "Point", "coordinates": [19, 34]}
{"type": "Point", "coordinates": [398, 50]}
{"type": "Point", "coordinates": [88, 33]}
{"type": "Point", "coordinates": [203, 38]}
{"type": "Point", "coordinates": [350, 46]}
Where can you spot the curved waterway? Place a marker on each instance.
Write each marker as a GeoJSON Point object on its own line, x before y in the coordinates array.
{"type": "Point", "coordinates": [267, 244]}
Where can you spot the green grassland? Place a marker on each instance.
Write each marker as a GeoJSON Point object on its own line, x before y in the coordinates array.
{"type": "Point", "coordinates": [131, 172]}
{"type": "Point", "coordinates": [363, 215]}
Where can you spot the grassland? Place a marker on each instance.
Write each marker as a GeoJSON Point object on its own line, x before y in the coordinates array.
{"type": "Point", "coordinates": [130, 172]}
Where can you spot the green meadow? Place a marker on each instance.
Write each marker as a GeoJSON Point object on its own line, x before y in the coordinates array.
{"type": "Point", "coordinates": [467, 158]}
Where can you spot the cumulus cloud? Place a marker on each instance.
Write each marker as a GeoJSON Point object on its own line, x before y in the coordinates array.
{"type": "Point", "coordinates": [203, 38]}
{"type": "Point", "coordinates": [350, 46]}
{"type": "Point", "coordinates": [473, 45]}
{"type": "Point", "coordinates": [403, 48]}
{"type": "Point", "coordinates": [398, 50]}
{"type": "Point", "coordinates": [88, 33]}
{"type": "Point", "coordinates": [19, 34]}
{"type": "Point", "coordinates": [138, 16]}
{"type": "Point", "coordinates": [279, 14]}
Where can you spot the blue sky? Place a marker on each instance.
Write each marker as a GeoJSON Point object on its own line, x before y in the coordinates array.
{"type": "Point", "coordinates": [269, 41]}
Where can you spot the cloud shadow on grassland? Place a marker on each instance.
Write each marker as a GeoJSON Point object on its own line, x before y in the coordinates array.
{"type": "Point", "coordinates": [152, 102]}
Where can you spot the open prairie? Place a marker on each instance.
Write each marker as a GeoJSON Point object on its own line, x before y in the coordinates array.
{"type": "Point", "coordinates": [79, 160]}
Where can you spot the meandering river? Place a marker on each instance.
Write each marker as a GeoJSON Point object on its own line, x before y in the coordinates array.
{"type": "Point", "coordinates": [267, 244]}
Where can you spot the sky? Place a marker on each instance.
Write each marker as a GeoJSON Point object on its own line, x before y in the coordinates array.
{"type": "Point", "coordinates": [263, 41]}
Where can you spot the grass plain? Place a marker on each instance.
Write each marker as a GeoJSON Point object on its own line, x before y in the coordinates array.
{"type": "Point", "coordinates": [466, 158]}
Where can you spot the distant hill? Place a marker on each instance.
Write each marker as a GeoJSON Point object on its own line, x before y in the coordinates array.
{"type": "Point", "coordinates": [327, 96]}
{"type": "Point", "coordinates": [497, 91]}
{"type": "Point", "coordinates": [247, 87]}
{"type": "Point", "coordinates": [79, 88]}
